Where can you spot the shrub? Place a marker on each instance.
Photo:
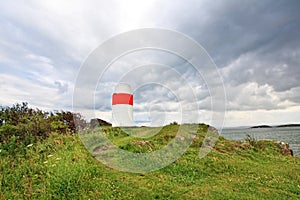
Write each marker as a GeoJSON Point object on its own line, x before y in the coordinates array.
{"type": "Point", "coordinates": [174, 123]}
{"type": "Point", "coordinates": [21, 125]}
{"type": "Point", "coordinates": [251, 140]}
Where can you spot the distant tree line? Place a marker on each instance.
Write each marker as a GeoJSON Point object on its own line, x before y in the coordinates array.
{"type": "Point", "coordinates": [23, 125]}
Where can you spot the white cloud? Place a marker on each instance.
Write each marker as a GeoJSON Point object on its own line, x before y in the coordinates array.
{"type": "Point", "coordinates": [252, 96]}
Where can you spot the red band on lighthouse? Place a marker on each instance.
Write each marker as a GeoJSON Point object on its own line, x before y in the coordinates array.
{"type": "Point", "coordinates": [122, 98]}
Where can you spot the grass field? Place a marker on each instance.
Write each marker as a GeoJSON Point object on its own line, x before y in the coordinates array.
{"type": "Point", "coordinates": [60, 167]}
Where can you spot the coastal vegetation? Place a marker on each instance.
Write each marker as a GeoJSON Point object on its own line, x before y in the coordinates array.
{"type": "Point", "coordinates": [43, 157]}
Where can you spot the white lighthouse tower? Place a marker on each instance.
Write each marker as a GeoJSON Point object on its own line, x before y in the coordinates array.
{"type": "Point", "coordinates": [122, 106]}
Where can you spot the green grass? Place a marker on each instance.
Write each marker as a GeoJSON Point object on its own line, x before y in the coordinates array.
{"type": "Point", "coordinates": [60, 167]}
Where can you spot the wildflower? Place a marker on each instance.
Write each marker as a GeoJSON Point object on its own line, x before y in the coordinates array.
{"type": "Point", "coordinates": [29, 145]}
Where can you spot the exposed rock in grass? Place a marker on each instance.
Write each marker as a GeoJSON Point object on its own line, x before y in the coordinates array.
{"type": "Point", "coordinates": [98, 122]}
{"type": "Point", "coordinates": [285, 148]}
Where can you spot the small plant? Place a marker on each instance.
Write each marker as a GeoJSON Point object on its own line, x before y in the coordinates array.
{"type": "Point", "coordinates": [250, 139]}
{"type": "Point", "coordinates": [174, 123]}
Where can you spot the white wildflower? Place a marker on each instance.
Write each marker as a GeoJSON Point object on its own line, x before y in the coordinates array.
{"type": "Point", "coordinates": [29, 145]}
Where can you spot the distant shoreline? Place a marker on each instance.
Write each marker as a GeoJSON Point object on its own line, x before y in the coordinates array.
{"type": "Point", "coordinates": [263, 126]}
{"type": "Point", "coordinates": [278, 126]}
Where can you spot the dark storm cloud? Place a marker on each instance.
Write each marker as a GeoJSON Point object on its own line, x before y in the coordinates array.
{"type": "Point", "coordinates": [251, 42]}
{"type": "Point", "coordinates": [261, 38]}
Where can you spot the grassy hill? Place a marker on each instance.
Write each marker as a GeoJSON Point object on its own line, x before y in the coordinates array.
{"type": "Point", "coordinates": [60, 167]}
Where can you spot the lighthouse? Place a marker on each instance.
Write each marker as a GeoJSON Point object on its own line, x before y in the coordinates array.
{"type": "Point", "coordinates": [122, 106]}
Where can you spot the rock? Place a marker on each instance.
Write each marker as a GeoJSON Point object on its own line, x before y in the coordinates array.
{"type": "Point", "coordinates": [285, 149]}
{"type": "Point", "coordinates": [100, 149]}
{"type": "Point", "coordinates": [213, 130]}
{"type": "Point", "coordinates": [98, 122]}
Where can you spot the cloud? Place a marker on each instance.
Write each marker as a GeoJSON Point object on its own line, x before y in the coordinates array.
{"type": "Point", "coordinates": [254, 44]}
{"type": "Point", "coordinates": [258, 40]}
{"type": "Point", "coordinates": [252, 96]}
{"type": "Point", "coordinates": [62, 87]}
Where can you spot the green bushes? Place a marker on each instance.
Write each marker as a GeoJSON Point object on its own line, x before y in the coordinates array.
{"type": "Point", "coordinates": [21, 125]}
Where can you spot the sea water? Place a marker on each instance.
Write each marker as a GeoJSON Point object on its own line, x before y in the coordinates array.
{"type": "Point", "coordinates": [290, 135]}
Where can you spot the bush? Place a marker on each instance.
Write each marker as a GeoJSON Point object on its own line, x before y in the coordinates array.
{"type": "Point", "coordinates": [251, 140]}
{"type": "Point", "coordinates": [21, 125]}
{"type": "Point", "coordinates": [174, 123]}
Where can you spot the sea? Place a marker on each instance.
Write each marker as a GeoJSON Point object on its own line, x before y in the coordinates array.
{"type": "Point", "coordinates": [290, 135]}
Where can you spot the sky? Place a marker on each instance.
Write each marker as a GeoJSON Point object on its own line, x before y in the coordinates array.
{"type": "Point", "coordinates": [254, 44]}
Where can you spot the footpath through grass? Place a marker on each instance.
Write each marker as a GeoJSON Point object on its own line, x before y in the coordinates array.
{"type": "Point", "coordinates": [60, 167]}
